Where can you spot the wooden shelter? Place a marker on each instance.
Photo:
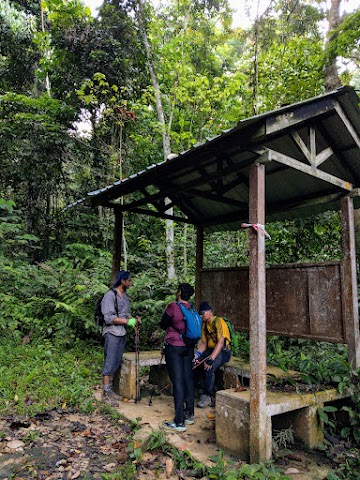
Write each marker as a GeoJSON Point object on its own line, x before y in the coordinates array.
{"type": "Point", "coordinates": [296, 161]}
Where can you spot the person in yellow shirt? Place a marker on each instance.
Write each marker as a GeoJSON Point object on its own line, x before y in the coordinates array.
{"type": "Point", "coordinates": [214, 347]}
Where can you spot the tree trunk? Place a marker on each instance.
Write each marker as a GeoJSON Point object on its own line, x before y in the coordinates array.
{"type": "Point", "coordinates": [169, 224]}
{"type": "Point", "coordinates": [332, 79]}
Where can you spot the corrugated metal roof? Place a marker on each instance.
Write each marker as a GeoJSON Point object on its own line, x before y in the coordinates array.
{"type": "Point", "coordinates": [313, 152]}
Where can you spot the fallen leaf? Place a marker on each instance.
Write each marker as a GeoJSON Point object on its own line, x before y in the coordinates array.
{"type": "Point", "coordinates": [211, 416]}
{"type": "Point", "coordinates": [169, 467]}
{"type": "Point", "coordinates": [291, 470]}
{"type": "Point", "coordinates": [110, 466]}
{"type": "Point", "coordinates": [240, 389]}
{"type": "Point", "coordinates": [15, 444]}
{"type": "Point", "coordinates": [148, 457]}
{"type": "Point", "coordinates": [76, 475]}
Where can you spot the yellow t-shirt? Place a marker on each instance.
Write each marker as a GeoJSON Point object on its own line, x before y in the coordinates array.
{"type": "Point", "coordinates": [211, 332]}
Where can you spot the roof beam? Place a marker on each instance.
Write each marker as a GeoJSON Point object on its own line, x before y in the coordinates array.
{"type": "Point", "coordinates": [347, 124]}
{"type": "Point", "coordinates": [289, 119]}
{"type": "Point", "coordinates": [310, 155]}
{"type": "Point", "coordinates": [309, 170]}
{"type": "Point", "coordinates": [304, 202]}
{"type": "Point", "coordinates": [175, 218]}
{"type": "Point", "coordinates": [217, 198]}
{"type": "Point", "coordinates": [238, 216]}
{"type": "Point", "coordinates": [170, 188]}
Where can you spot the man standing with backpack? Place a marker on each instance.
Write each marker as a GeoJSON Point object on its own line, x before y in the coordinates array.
{"type": "Point", "coordinates": [115, 307]}
{"type": "Point", "coordinates": [214, 350]}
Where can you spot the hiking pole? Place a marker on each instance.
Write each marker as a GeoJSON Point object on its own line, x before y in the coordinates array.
{"type": "Point", "coordinates": [153, 389]}
{"type": "Point", "coordinates": [199, 363]}
{"type": "Point", "coordinates": [158, 393]}
{"type": "Point", "coordinates": [137, 362]}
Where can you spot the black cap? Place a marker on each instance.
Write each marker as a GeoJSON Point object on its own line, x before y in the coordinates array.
{"type": "Point", "coordinates": [204, 306]}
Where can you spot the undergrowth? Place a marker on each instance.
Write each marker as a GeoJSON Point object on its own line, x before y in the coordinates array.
{"type": "Point", "coordinates": [222, 469]}
{"type": "Point", "coordinates": [42, 375]}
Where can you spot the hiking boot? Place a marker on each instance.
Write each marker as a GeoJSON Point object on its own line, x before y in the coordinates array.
{"type": "Point", "coordinates": [189, 420]}
{"type": "Point", "coordinates": [205, 401]}
{"type": "Point", "coordinates": [110, 396]}
{"type": "Point", "coordinates": [171, 425]}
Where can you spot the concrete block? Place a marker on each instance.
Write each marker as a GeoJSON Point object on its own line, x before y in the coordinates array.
{"type": "Point", "coordinates": [282, 411]}
{"type": "Point", "coordinates": [308, 427]}
{"type": "Point", "coordinates": [233, 425]}
{"type": "Point", "coordinates": [124, 380]}
{"type": "Point", "coordinates": [159, 376]}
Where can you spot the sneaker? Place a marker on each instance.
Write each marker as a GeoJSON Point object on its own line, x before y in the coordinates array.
{"type": "Point", "coordinates": [189, 420]}
{"type": "Point", "coordinates": [205, 401]}
{"type": "Point", "coordinates": [171, 425]}
{"type": "Point", "coordinates": [110, 396]}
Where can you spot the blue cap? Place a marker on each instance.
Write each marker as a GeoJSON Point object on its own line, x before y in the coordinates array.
{"type": "Point", "coordinates": [122, 275]}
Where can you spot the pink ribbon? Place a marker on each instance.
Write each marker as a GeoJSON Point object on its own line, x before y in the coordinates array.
{"type": "Point", "coordinates": [257, 227]}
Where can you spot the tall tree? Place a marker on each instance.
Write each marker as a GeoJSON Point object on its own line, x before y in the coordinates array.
{"type": "Point", "coordinates": [332, 79]}
{"type": "Point", "coordinates": [169, 224]}
{"type": "Point", "coordinates": [182, 65]}
{"type": "Point", "coordinates": [19, 55]}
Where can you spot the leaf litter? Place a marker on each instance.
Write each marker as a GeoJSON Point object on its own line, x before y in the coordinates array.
{"type": "Point", "coordinates": [62, 444]}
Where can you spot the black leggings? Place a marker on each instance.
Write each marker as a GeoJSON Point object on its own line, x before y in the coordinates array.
{"type": "Point", "coordinates": [179, 366]}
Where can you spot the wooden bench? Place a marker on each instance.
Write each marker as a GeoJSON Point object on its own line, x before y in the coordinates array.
{"type": "Point", "coordinates": [233, 372]}
{"type": "Point", "coordinates": [284, 410]}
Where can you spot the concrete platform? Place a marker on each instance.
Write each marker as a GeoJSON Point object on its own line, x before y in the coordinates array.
{"type": "Point", "coordinates": [298, 410]}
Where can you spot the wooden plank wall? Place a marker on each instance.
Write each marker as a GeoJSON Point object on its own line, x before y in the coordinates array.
{"type": "Point", "coordinates": [302, 300]}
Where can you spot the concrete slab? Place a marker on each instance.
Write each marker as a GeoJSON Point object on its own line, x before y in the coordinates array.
{"type": "Point", "coordinates": [295, 410]}
{"type": "Point", "coordinates": [235, 372]}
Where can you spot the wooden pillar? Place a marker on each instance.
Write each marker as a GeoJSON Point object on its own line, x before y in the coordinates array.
{"type": "Point", "coordinates": [349, 283]}
{"type": "Point", "coordinates": [257, 317]}
{"type": "Point", "coordinates": [199, 263]}
{"type": "Point", "coordinates": [116, 260]}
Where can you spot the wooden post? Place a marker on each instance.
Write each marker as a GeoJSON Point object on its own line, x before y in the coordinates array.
{"type": "Point", "coordinates": [199, 263]}
{"type": "Point", "coordinates": [257, 317]}
{"type": "Point", "coordinates": [116, 260]}
{"type": "Point", "coordinates": [349, 283]}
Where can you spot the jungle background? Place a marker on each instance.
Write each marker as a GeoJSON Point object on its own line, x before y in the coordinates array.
{"type": "Point", "coordinates": [86, 101]}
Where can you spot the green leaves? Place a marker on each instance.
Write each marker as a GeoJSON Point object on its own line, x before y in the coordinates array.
{"type": "Point", "coordinates": [345, 40]}
{"type": "Point", "coordinates": [49, 370]}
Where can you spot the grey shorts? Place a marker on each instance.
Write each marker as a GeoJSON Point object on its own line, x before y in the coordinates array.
{"type": "Point", "coordinates": [113, 352]}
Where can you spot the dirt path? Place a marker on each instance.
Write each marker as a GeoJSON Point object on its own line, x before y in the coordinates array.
{"type": "Point", "coordinates": [66, 445]}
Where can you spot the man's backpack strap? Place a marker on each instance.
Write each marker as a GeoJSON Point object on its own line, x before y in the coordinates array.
{"type": "Point", "coordinates": [115, 302]}
{"type": "Point", "coordinates": [211, 334]}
